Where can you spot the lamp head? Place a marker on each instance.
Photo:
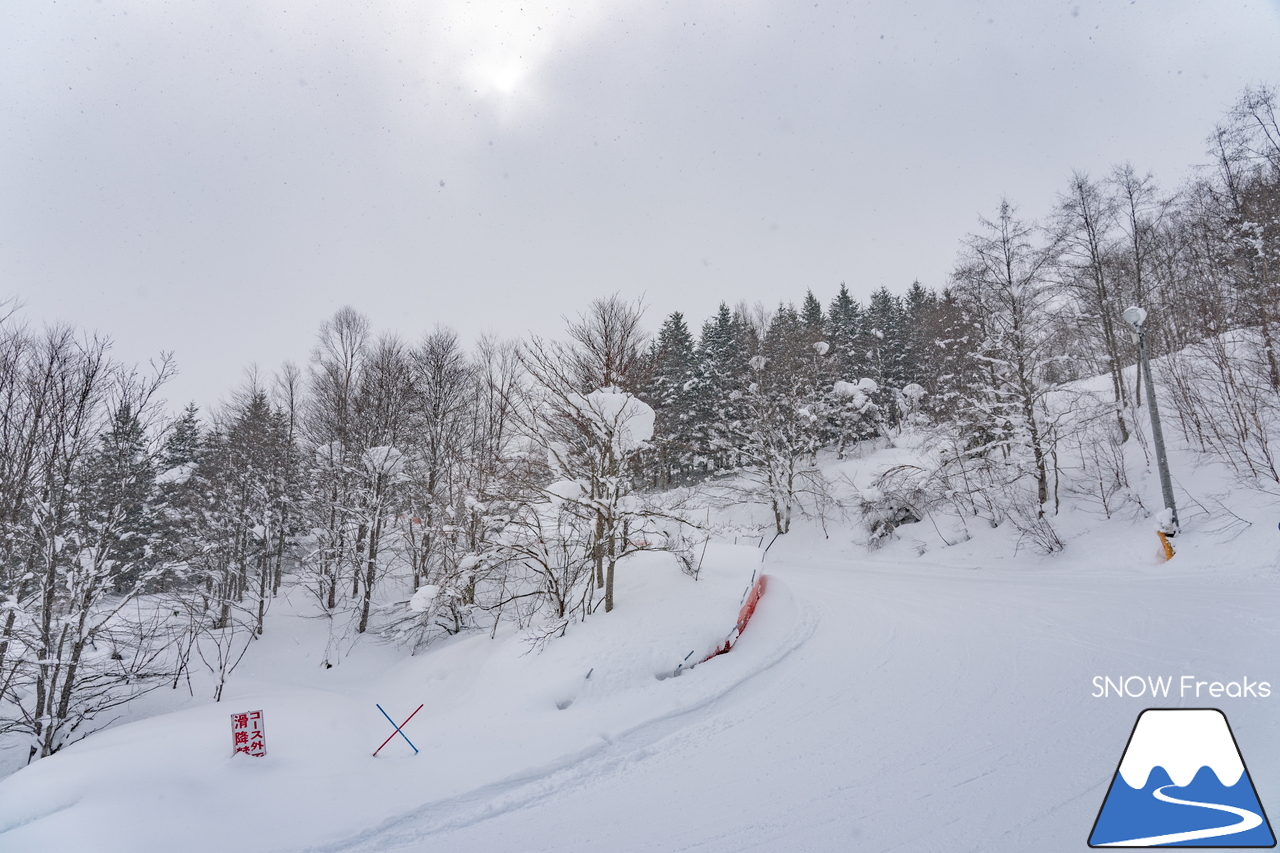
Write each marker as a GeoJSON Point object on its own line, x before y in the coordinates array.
{"type": "Point", "coordinates": [1135, 316]}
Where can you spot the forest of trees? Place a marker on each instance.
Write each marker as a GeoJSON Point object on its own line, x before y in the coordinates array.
{"type": "Point", "coordinates": [418, 490]}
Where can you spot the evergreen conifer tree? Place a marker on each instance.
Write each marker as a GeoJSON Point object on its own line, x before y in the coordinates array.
{"type": "Point", "coordinates": [812, 317]}
{"type": "Point", "coordinates": [183, 442]}
{"type": "Point", "coordinates": [845, 324]}
{"type": "Point", "coordinates": [671, 391]}
{"type": "Point", "coordinates": [720, 367]}
{"type": "Point", "coordinates": [243, 484]}
{"type": "Point", "coordinates": [919, 307]}
{"type": "Point", "coordinates": [884, 338]}
{"type": "Point", "coordinates": [122, 489]}
{"type": "Point", "coordinates": [943, 344]}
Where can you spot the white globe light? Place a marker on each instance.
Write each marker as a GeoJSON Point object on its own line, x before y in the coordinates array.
{"type": "Point", "coordinates": [1135, 315]}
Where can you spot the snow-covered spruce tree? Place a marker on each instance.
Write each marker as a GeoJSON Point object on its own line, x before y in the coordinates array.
{"type": "Point", "coordinates": [182, 440]}
{"type": "Point", "coordinates": [670, 388]}
{"type": "Point", "coordinates": [853, 413]}
{"type": "Point", "coordinates": [939, 340]}
{"type": "Point", "coordinates": [885, 342]}
{"type": "Point", "coordinates": [812, 318]}
{"type": "Point", "coordinates": [182, 502]}
{"type": "Point", "coordinates": [1002, 282]}
{"type": "Point", "coordinates": [823, 369]}
{"type": "Point", "coordinates": [725, 346]}
{"type": "Point", "coordinates": [918, 307]}
{"type": "Point", "coordinates": [852, 410]}
{"type": "Point", "coordinates": [74, 472]}
{"type": "Point", "coordinates": [122, 478]}
{"type": "Point", "coordinates": [845, 328]}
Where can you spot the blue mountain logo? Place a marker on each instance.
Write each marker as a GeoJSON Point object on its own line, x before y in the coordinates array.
{"type": "Point", "coordinates": [1182, 783]}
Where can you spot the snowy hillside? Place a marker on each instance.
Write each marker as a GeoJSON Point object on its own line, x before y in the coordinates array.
{"type": "Point", "coordinates": [496, 710]}
{"type": "Point", "coordinates": [608, 469]}
{"type": "Point", "coordinates": [921, 696]}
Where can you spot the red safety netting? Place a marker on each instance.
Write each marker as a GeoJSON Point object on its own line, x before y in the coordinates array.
{"type": "Point", "coordinates": [744, 616]}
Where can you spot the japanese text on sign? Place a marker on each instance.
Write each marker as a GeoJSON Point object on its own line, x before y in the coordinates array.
{"type": "Point", "coordinates": [247, 733]}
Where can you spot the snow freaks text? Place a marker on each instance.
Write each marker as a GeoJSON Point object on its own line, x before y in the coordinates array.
{"type": "Point", "coordinates": [1181, 687]}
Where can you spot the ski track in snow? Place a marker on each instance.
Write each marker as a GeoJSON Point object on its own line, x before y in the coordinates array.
{"type": "Point", "coordinates": [933, 709]}
{"type": "Point", "coordinates": [609, 758]}
{"type": "Point", "coordinates": [912, 705]}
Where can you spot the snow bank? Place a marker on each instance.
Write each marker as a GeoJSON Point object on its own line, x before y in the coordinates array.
{"type": "Point", "coordinates": [494, 710]}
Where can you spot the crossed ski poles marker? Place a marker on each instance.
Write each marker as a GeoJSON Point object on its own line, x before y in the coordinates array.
{"type": "Point", "coordinates": [398, 729]}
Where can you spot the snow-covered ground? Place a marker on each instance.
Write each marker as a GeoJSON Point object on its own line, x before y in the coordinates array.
{"type": "Point", "coordinates": [920, 697]}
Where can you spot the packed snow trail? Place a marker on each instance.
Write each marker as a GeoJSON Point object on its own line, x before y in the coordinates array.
{"type": "Point", "coordinates": [888, 702]}
{"type": "Point", "coordinates": [935, 708]}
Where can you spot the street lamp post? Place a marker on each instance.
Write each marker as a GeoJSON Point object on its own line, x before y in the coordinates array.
{"type": "Point", "coordinates": [1135, 317]}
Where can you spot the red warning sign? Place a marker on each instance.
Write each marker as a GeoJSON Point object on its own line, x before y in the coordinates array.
{"type": "Point", "coordinates": [247, 734]}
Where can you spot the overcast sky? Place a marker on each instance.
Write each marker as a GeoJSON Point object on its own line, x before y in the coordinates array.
{"type": "Point", "coordinates": [217, 178]}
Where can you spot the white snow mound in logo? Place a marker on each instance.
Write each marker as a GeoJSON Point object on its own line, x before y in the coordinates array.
{"type": "Point", "coordinates": [1181, 741]}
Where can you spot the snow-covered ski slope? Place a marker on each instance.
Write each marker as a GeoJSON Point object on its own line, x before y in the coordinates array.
{"type": "Point", "coordinates": [921, 697]}
{"type": "Point", "coordinates": [935, 708]}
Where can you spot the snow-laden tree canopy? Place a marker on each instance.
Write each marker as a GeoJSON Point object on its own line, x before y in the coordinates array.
{"type": "Point", "coordinates": [386, 461]}
{"type": "Point", "coordinates": [568, 490]}
{"type": "Point", "coordinates": [421, 601]}
{"type": "Point", "coordinates": [625, 418]}
{"type": "Point", "coordinates": [851, 390]}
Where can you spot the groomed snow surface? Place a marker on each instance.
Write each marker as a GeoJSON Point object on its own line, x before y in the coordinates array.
{"type": "Point", "coordinates": [920, 697]}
